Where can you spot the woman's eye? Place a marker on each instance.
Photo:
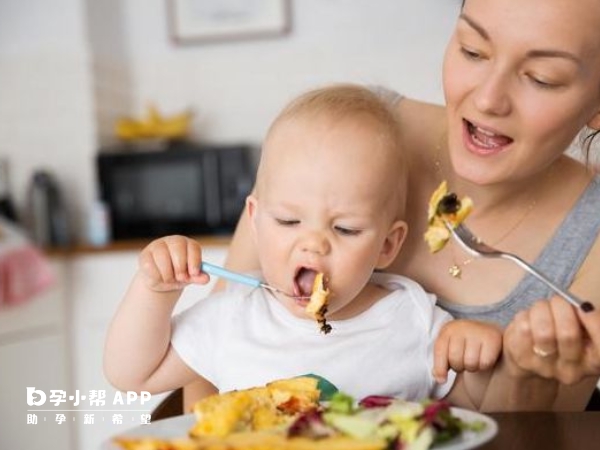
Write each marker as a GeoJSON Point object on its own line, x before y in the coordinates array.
{"type": "Point", "coordinates": [347, 231]}
{"type": "Point", "coordinates": [471, 54]}
{"type": "Point", "coordinates": [287, 222]}
{"type": "Point", "coordinates": [544, 84]}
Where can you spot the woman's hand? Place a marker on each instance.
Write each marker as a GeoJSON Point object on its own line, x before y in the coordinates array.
{"type": "Point", "coordinates": [554, 340]}
{"type": "Point", "coordinates": [170, 263]}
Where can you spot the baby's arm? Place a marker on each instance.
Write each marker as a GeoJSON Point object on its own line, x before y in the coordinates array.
{"type": "Point", "coordinates": [472, 349]}
{"type": "Point", "coordinates": [466, 345]}
{"type": "Point", "coordinates": [138, 355]}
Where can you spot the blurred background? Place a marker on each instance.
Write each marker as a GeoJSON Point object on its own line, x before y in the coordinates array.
{"type": "Point", "coordinates": [69, 70]}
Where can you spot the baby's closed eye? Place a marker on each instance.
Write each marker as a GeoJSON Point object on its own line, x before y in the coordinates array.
{"type": "Point", "coordinates": [347, 231]}
{"type": "Point", "coordinates": [287, 222]}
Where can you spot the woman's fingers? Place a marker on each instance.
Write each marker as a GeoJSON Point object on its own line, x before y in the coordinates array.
{"type": "Point", "coordinates": [542, 326]}
{"type": "Point", "coordinates": [518, 345]}
{"type": "Point", "coordinates": [569, 333]}
{"type": "Point", "coordinates": [554, 340]}
{"type": "Point", "coordinates": [591, 325]}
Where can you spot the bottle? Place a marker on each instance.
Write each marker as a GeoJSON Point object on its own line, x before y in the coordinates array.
{"type": "Point", "coordinates": [47, 215]}
{"type": "Point", "coordinates": [7, 209]}
{"type": "Point", "coordinates": [99, 233]}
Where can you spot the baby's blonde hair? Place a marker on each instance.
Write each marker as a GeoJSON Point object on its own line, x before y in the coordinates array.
{"type": "Point", "coordinates": [340, 102]}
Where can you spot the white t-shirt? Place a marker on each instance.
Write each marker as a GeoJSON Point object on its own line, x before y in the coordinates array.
{"type": "Point", "coordinates": [244, 337]}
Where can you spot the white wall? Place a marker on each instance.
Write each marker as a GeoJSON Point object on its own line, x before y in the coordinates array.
{"type": "Point", "coordinates": [114, 86]}
{"type": "Point", "coordinates": [69, 68]}
{"type": "Point", "coordinates": [237, 88]}
{"type": "Point", "coordinates": [45, 96]}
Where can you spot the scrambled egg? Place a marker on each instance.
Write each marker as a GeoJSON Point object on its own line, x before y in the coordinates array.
{"type": "Point", "coordinates": [444, 206]}
{"type": "Point", "coordinates": [317, 305]}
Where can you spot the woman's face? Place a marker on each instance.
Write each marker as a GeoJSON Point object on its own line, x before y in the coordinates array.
{"type": "Point", "coordinates": [521, 78]}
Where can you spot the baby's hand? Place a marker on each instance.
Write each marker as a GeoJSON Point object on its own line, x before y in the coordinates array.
{"type": "Point", "coordinates": [170, 263]}
{"type": "Point", "coordinates": [466, 345]}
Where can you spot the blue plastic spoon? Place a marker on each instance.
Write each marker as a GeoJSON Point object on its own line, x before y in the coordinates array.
{"type": "Point", "coordinates": [218, 271]}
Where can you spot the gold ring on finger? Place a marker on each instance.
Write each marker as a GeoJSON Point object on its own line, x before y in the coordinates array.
{"type": "Point", "coordinates": [543, 353]}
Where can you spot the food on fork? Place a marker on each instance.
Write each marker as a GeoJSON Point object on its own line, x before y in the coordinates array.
{"type": "Point", "coordinates": [317, 305]}
{"type": "Point", "coordinates": [286, 415]}
{"type": "Point", "coordinates": [444, 207]}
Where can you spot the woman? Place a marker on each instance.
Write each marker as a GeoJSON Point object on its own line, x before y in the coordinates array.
{"type": "Point", "coordinates": [521, 79]}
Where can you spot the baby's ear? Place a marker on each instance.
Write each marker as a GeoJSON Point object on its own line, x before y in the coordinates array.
{"type": "Point", "coordinates": [251, 207]}
{"type": "Point", "coordinates": [392, 244]}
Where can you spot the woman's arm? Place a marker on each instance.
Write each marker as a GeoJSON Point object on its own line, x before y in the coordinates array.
{"type": "Point", "coordinates": [242, 255]}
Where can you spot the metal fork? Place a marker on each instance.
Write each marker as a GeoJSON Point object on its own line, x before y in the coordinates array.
{"type": "Point", "coordinates": [476, 247]}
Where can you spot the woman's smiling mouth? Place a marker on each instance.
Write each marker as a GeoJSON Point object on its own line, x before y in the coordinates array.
{"type": "Point", "coordinates": [483, 141]}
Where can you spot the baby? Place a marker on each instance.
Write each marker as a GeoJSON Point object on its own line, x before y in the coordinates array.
{"type": "Point", "coordinates": [329, 198]}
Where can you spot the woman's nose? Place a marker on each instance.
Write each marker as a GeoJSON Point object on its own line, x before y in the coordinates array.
{"type": "Point", "coordinates": [493, 96]}
{"type": "Point", "coordinates": [316, 242]}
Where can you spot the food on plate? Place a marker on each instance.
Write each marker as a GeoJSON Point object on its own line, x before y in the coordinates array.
{"type": "Point", "coordinates": [317, 305]}
{"type": "Point", "coordinates": [444, 207]}
{"type": "Point", "coordinates": [273, 405]}
{"type": "Point", "coordinates": [286, 414]}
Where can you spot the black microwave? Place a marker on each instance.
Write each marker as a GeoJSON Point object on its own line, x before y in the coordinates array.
{"type": "Point", "coordinates": [184, 189]}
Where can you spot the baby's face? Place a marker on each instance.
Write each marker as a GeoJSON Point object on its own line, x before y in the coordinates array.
{"type": "Point", "coordinates": [323, 203]}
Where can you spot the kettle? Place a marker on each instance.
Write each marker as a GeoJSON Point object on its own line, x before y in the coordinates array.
{"type": "Point", "coordinates": [48, 222]}
{"type": "Point", "coordinates": [7, 208]}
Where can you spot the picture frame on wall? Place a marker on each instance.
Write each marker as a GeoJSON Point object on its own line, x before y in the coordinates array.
{"type": "Point", "coordinates": [205, 21]}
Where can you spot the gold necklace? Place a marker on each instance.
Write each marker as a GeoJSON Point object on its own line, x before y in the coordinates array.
{"type": "Point", "coordinates": [456, 269]}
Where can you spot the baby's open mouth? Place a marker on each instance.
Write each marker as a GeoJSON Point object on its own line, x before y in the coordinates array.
{"type": "Point", "coordinates": [311, 283]}
{"type": "Point", "coordinates": [304, 281]}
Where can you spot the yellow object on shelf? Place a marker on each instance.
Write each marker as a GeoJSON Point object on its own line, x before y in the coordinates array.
{"type": "Point", "coordinates": [154, 125]}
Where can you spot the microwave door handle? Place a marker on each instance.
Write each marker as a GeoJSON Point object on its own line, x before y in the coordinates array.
{"type": "Point", "coordinates": [211, 269]}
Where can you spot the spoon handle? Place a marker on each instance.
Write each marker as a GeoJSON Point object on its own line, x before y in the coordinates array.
{"type": "Point", "coordinates": [218, 271]}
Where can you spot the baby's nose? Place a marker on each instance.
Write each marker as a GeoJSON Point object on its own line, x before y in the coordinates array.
{"type": "Point", "coordinates": [316, 242]}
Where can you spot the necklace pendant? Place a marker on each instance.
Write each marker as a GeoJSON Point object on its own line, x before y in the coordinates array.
{"type": "Point", "coordinates": [455, 271]}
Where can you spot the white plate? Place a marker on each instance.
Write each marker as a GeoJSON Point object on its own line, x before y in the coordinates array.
{"type": "Point", "coordinates": [177, 427]}
{"type": "Point", "coordinates": [470, 439]}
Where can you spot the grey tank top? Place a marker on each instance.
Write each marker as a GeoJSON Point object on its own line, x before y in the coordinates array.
{"type": "Point", "coordinates": [560, 260]}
